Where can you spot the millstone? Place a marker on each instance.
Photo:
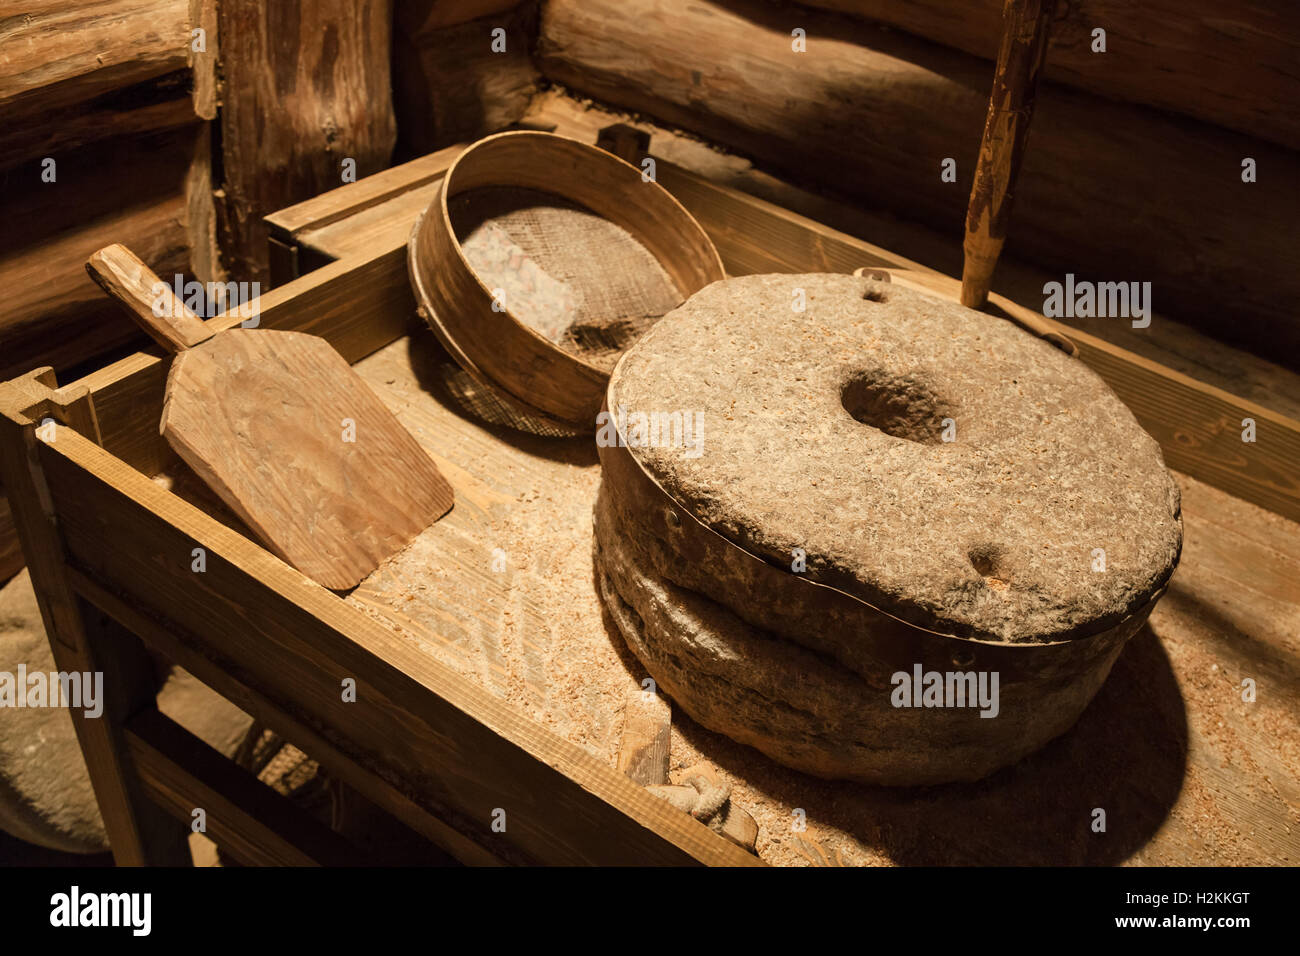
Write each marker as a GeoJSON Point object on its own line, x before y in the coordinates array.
{"type": "Point", "coordinates": [881, 481]}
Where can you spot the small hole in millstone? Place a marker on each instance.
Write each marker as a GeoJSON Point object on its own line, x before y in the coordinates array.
{"type": "Point", "coordinates": [874, 295]}
{"type": "Point", "coordinates": [989, 562]}
{"type": "Point", "coordinates": [963, 659]}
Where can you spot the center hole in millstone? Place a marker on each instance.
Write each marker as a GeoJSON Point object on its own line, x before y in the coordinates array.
{"type": "Point", "coordinates": [900, 407]}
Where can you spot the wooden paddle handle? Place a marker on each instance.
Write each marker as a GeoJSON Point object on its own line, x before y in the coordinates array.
{"type": "Point", "coordinates": [150, 301]}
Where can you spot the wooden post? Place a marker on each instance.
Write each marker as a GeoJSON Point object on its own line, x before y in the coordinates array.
{"type": "Point", "coordinates": [1026, 24]}
{"type": "Point", "coordinates": [305, 99]}
{"type": "Point", "coordinates": [83, 639]}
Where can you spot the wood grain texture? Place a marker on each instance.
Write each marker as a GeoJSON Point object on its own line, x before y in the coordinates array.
{"type": "Point", "coordinates": [149, 301]}
{"type": "Point", "coordinates": [187, 651]}
{"type": "Point", "coordinates": [158, 106]}
{"type": "Point", "coordinates": [1234, 67]}
{"type": "Point", "coordinates": [1025, 28]}
{"type": "Point", "coordinates": [81, 640]}
{"type": "Point", "coordinates": [357, 306]}
{"type": "Point", "coordinates": [53, 314]}
{"type": "Point", "coordinates": [450, 84]}
{"type": "Point", "coordinates": [645, 745]}
{"type": "Point", "coordinates": [1108, 191]}
{"type": "Point", "coordinates": [302, 451]}
{"type": "Point", "coordinates": [246, 818]}
{"type": "Point", "coordinates": [56, 54]}
{"type": "Point", "coordinates": [303, 90]}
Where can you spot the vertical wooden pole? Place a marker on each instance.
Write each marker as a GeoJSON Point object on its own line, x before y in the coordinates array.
{"type": "Point", "coordinates": [1026, 24]}
{"type": "Point", "coordinates": [83, 639]}
{"type": "Point", "coordinates": [305, 100]}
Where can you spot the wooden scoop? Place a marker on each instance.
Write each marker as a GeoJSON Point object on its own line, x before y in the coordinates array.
{"type": "Point", "coordinates": [285, 432]}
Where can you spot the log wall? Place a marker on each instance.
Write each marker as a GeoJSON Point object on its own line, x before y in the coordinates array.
{"type": "Point", "coordinates": [1236, 65]}
{"type": "Point", "coordinates": [1109, 190]}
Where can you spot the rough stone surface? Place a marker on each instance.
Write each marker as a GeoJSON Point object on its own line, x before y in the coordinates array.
{"type": "Point", "coordinates": [45, 792]}
{"type": "Point", "coordinates": [804, 709]}
{"type": "Point", "coordinates": [991, 535]}
{"type": "Point", "coordinates": [823, 436]}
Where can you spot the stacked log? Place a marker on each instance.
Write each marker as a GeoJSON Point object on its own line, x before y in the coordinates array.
{"type": "Point", "coordinates": [1108, 190]}
{"type": "Point", "coordinates": [98, 133]}
{"type": "Point", "coordinates": [1235, 66]}
{"type": "Point", "coordinates": [105, 137]}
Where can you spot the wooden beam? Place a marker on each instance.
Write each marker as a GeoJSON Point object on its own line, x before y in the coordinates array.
{"type": "Point", "coordinates": [83, 640]}
{"type": "Point", "coordinates": [60, 131]}
{"type": "Point", "coordinates": [186, 651]}
{"type": "Point", "coordinates": [57, 54]}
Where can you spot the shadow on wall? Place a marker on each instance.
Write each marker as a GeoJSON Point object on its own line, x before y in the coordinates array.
{"type": "Point", "coordinates": [1109, 191]}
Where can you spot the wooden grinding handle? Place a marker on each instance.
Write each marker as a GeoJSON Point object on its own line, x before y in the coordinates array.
{"type": "Point", "coordinates": [1025, 28]}
{"type": "Point", "coordinates": [121, 274]}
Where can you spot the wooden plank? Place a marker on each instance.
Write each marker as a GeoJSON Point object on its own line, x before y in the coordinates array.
{"type": "Point", "coordinates": [303, 451]}
{"type": "Point", "coordinates": [300, 97]}
{"type": "Point", "coordinates": [54, 314]}
{"type": "Point", "coordinates": [83, 640]}
{"type": "Point", "coordinates": [58, 133]}
{"type": "Point", "coordinates": [203, 62]}
{"type": "Point", "coordinates": [351, 199]}
{"type": "Point", "coordinates": [11, 549]}
{"type": "Point", "coordinates": [647, 728]}
{"type": "Point", "coordinates": [174, 643]}
{"type": "Point", "coordinates": [458, 748]}
{"type": "Point", "coordinates": [58, 53]}
{"type": "Point", "coordinates": [243, 816]}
